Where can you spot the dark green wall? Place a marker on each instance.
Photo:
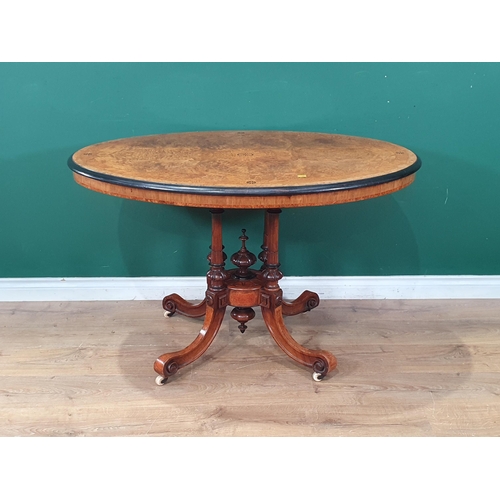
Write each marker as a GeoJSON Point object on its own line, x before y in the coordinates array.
{"type": "Point", "coordinates": [445, 223]}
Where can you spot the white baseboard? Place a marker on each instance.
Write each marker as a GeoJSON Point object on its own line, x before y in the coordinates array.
{"type": "Point", "coordinates": [191, 288]}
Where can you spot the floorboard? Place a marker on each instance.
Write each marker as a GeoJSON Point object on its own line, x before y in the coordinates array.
{"type": "Point", "coordinates": [405, 368]}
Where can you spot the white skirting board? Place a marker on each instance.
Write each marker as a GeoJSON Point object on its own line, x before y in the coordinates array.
{"type": "Point", "coordinates": [192, 288]}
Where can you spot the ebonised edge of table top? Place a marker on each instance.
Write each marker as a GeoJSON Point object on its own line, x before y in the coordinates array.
{"type": "Point", "coordinates": [257, 191]}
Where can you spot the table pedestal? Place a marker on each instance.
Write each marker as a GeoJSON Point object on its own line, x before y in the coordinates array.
{"type": "Point", "coordinates": [244, 288]}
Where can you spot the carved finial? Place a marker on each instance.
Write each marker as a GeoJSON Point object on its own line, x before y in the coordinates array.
{"type": "Point", "coordinates": [243, 259]}
{"type": "Point", "coordinates": [242, 315]}
{"type": "Point", "coordinates": [243, 238]}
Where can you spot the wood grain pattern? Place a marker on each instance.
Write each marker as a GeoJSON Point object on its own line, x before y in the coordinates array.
{"type": "Point", "coordinates": [406, 368]}
{"type": "Point", "coordinates": [245, 159]}
{"type": "Point", "coordinates": [245, 169]}
{"type": "Point", "coordinates": [306, 301]}
{"type": "Point", "coordinates": [244, 288]}
{"type": "Point", "coordinates": [213, 201]}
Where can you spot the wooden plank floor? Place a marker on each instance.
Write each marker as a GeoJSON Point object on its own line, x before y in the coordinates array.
{"type": "Point", "coordinates": [405, 368]}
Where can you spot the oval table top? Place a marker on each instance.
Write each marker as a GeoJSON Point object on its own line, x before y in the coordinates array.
{"type": "Point", "coordinates": [245, 169]}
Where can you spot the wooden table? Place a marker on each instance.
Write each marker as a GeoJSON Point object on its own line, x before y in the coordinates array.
{"type": "Point", "coordinates": [266, 170]}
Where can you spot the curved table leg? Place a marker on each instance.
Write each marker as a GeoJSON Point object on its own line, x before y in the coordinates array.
{"type": "Point", "coordinates": [304, 302]}
{"type": "Point", "coordinates": [174, 303]}
{"type": "Point", "coordinates": [168, 364]}
{"type": "Point", "coordinates": [322, 362]}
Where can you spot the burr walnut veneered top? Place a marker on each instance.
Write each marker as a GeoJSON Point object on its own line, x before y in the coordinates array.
{"type": "Point", "coordinates": [249, 164]}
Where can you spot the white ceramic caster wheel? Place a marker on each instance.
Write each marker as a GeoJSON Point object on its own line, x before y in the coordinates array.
{"type": "Point", "coordinates": [159, 380]}
{"type": "Point", "coordinates": [317, 377]}
{"type": "Point", "coordinates": [167, 314]}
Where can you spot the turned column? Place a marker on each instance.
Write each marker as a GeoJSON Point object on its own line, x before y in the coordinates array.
{"type": "Point", "coordinates": [216, 294]}
{"type": "Point", "coordinates": [216, 275]}
{"type": "Point", "coordinates": [271, 271]}
{"type": "Point", "coordinates": [264, 246]}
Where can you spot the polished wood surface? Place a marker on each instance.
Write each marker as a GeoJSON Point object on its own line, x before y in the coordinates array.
{"type": "Point", "coordinates": [244, 288]}
{"type": "Point", "coordinates": [174, 303]}
{"type": "Point", "coordinates": [406, 368]}
{"type": "Point", "coordinates": [213, 201]}
{"type": "Point", "coordinates": [245, 169]}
